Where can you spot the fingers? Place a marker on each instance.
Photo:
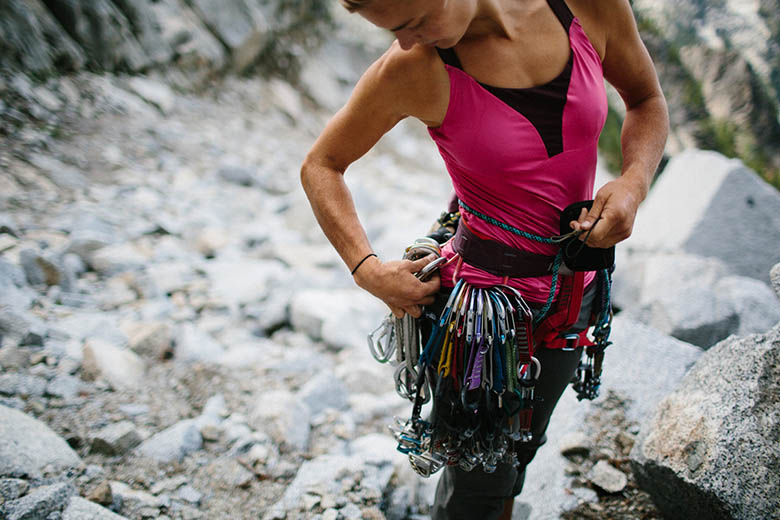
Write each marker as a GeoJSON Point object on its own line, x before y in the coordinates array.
{"type": "Point", "coordinates": [610, 219]}
{"type": "Point", "coordinates": [593, 214]}
{"type": "Point", "coordinates": [400, 312]}
{"type": "Point", "coordinates": [576, 224]}
{"type": "Point", "coordinates": [418, 264]}
{"type": "Point", "coordinates": [405, 294]}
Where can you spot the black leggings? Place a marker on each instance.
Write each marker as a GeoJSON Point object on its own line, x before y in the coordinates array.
{"type": "Point", "coordinates": [475, 494]}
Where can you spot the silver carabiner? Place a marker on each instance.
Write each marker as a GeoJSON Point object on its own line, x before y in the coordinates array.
{"type": "Point", "coordinates": [406, 384]}
{"type": "Point", "coordinates": [521, 374]}
{"type": "Point", "coordinates": [382, 341]}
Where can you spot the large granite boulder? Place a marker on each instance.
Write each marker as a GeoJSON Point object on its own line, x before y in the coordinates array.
{"type": "Point", "coordinates": [44, 502]}
{"type": "Point", "coordinates": [641, 366]}
{"type": "Point", "coordinates": [694, 299]}
{"type": "Point", "coordinates": [711, 449]}
{"type": "Point", "coordinates": [711, 206]}
{"type": "Point", "coordinates": [29, 448]}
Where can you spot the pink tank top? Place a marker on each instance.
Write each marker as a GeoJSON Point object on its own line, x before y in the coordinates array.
{"type": "Point", "coordinates": [522, 155]}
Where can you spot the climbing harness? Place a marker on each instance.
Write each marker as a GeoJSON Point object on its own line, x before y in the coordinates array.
{"type": "Point", "coordinates": [478, 361]}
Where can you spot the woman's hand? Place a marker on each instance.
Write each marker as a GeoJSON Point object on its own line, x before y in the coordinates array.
{"type": "Point", "coordinates": [394, 283]}
{"type": "Point", "coordinates": [615, 208]}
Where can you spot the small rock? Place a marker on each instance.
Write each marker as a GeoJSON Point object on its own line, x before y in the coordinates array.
{"type": "Point", "coordinates": [585, 494]}
{"type": "Point", "coordinates": [210, 241]}
{"type": "Point", "coordinates": [328, 502]}
{"type": "Point", "coordinates": [64, 386]}
{"type": "Point", "coordinates": [8, 226]}
{"type": "Point", "coordinates": [607, 477]}
{"type": "Point", "coordinates": [173, 443]}
{"type": "Point", "coordinates": [22, 385]}
{"type": "Point", "coordinates": [7, 242]}
{"type": "Point", "coordinates": [190, 494]}
{"type": "Point", "coordinates": [330, 514]}
{"type": "Point", "coordinates": [152, 340]}
{"type": "Point", "coordinates": [93, 471]}
{"type": "Point", "coordinates": [351, 512]}
{"type": "Point", "coordinates": [237, 175]}
{"type": "Point", "coordinates": [44, 269]}
{"type": "Point", "coordinates": [310, 501]}
{"type": "Point", "coordinates": [194, 344]}
{"type": "Point", "coordinates": [14, 358]}
{"type": "Point", "coordinates": [625, 441]}
{"type": "Point", "coordinates": [323, 391]}
{"type": "Point", "coordinates": [190, 513]}
{"type": "Point", "coordinates": [80, 509]}
{"type": "Point", "coordinates": [121, 368]}
{"type": "Point", "coordinates": [13, 488]}
{"type": "Point", "coordinates": [115, 439]}
{"type": "Point", "coordinates": [229, 474]}
{"type": "Point", "coordinates": [101, 494]}
{"type": "Point", "coordinates": [211, 433]}
{"type": "Point", "coordinates": [284, 417]}
{"type": "Point", "coordinates": [117, 258]}
{"type": "Point", "coordinates": [695, 454]}
{"type": "Point", "coordinates": [574, 443]}
{"type": "Point", "coordinates": [285, 469]}
{"type": "Point", "coordinates": [134, 410]}
{"type": "Point", "coordinates": [258, 454]}
{"type": "Point", "coordinates": [135, 500]}
{"type": "Point", "coordinates": [169, 484]}
{"type": "Point", "coordinates": [604, 454]}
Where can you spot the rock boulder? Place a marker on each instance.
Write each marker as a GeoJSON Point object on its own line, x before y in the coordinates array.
{"type": "Point", "coordinates": [710, 196]}
{"type": "Point", "coordinates": [710, 450]}
{"type": "Point", "coordinates": [28, 447]}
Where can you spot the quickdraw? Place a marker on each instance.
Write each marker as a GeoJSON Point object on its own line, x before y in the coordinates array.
{"type": "Point", "coordinates": [587, 380]}
{"type": "Point", "coordinates": [478, 364]}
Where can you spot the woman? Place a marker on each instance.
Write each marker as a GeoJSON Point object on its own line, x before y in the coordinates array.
{"type": "Point", "coordinates": [513, 95]}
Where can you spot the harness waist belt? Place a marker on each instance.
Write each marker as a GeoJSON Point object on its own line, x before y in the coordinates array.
{"type": "Point", "coordinates": [497, 258]}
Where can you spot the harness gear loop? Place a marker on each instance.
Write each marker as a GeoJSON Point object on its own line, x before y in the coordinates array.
{"type": "Point", "coordinates": [478, 360]}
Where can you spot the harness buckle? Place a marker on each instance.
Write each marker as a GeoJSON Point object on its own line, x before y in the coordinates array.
{"type": "Point", "coordinates": [572, 342]}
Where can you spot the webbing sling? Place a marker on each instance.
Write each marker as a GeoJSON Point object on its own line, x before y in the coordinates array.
{"type": "Point", "coordinates": [566, 313]}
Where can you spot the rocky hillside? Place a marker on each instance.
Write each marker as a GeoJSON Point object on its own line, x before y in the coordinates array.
{"type": "Point", "coordinates": [179, 341]}
{"type": "Point", "coordinates": [719, 65]}
{"type": "Point", "coordinates": [199, 38]}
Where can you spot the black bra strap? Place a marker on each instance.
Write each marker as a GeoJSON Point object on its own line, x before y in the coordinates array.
{"type": "Point", "coordinates": [449, 57]}
{"type": "Point", "coordinates": [562, 11]}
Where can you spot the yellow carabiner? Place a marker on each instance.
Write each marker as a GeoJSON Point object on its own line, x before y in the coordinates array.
{"type": "Point", "coordinates": [443, 356]}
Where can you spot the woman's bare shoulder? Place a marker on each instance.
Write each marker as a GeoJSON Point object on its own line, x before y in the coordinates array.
{"type": "Point", "coordinates": [600, 18]}
{"type": "Point", "coordinates": [415, 79]}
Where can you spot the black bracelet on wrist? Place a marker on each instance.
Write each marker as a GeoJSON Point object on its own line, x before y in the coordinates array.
{"type": "Point", "coordinates": [361, 262]}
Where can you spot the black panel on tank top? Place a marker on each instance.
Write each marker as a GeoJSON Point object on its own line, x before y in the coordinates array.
{"type": "Point", "coordinates": [541, 105]}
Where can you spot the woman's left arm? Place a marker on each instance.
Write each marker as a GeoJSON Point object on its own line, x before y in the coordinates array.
{"type": "Point", "coordinates": [628, 67]}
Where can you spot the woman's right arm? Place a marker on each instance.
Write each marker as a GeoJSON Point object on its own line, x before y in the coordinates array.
{"type": "Point", "coordinates": [393, 88]}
